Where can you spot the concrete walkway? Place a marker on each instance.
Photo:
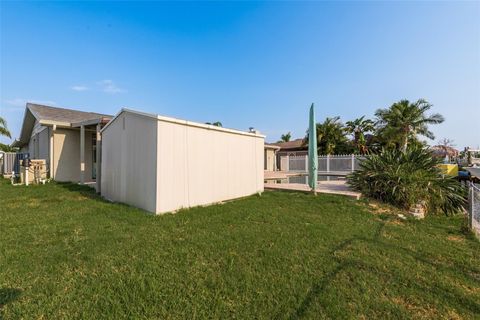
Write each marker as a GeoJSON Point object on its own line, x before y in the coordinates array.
{"type": "Point", "coordinates": [329, 187]}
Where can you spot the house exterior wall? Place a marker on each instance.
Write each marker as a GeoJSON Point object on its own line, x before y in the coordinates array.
{"type": "Point", "coordinates": [198, 166]}
{"type": "Point", "coordinates": [129, 157]}
{"type": "Point", "coordinates": [39, 144]}
{"type": "Point", "coordinates": [44, 144]}
{"type": "Point", "coordinates": [269, 160]}
{"type": "Point", "coordinates": [66, 155]}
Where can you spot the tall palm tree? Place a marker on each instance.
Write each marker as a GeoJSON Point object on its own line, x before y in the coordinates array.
{"type": "Point", "coordinates": [403, 121]}
{"type": "Point", "coordinates": [285, 137]}
{"type": "Point", "coordinates": [3, 128]}
{"type": "Point", "coordinates": [331, 137]}
{"type": "Point", "coordinates": [359, 127]}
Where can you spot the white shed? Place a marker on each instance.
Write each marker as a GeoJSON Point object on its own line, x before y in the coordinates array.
{"type": "Point", "coordinates": [163, 164]}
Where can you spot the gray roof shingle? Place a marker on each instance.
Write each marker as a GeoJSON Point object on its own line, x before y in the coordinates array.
{"type": "Point", "coordinates": [42, 112]}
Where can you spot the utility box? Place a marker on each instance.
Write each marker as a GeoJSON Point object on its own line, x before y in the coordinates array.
{"type": "Point", "coordinates": [449, 169]}
{"type": "Point", "coordinates": [36, 168]}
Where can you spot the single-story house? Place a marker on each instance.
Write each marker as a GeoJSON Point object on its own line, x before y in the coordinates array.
{"type": "Point", "coordinates": [163, 164]}
{"type": "Point", "coordinates": [443, 152]}
{"type": "Point", "coordinates": [295, 147]}
{"type": "Point", "coordinates": [67, 139]}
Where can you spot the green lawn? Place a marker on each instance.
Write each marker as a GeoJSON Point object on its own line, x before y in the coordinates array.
{"type": "Point", "coordinates": [65, 253]}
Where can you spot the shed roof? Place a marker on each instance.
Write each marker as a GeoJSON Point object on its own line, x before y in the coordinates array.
{"type": "Point", "coordinates": [183, 122]}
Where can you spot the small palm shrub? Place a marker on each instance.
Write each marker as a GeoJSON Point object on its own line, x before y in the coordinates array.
{"type": "Point", "coordinates": [407, 178]}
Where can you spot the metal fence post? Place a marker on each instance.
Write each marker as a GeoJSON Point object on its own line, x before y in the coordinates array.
{"type": "Point", "coordinates": [470, 205]}
{"type": "Point", "coordinates": [328, 163]}
{"type": "Point", "coordinates": [328, 167]}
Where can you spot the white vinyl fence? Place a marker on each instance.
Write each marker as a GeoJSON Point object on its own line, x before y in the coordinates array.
{"type": "Point", "coordinates": [474, 208]}
{"type": "Point", "coordinates": [345, 163]}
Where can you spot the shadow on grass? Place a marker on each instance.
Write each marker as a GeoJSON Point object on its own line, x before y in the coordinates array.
{"type": "Point", "coordinates": [8, 295]}
{"type": "Point", "coordinates": [91, 193]}
{"type": "Point", "coordinates": [318, 287]}
{"type": "Point", "coordinates": [75, 187]}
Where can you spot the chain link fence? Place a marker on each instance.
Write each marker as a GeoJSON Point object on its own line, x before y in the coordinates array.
{"type": "Point", "coordinates": [474, 208]}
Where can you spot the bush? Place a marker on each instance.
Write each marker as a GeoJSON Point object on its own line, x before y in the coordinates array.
{"type": "Point", "coordinates": [408, 178]}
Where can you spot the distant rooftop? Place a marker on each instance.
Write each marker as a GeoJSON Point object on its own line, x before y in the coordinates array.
{"type": "Point", "coordinates": [294, 144]}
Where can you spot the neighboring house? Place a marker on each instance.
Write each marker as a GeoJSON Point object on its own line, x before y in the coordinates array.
{"type": "Point", "coordinates": [270, 157]}
{"type": "Point", "coordinates": [295, 147]}
{"type": "Point", "coordinates": [163, 164]}
{"type": "Point", "coordinates": [444, 152]}
{"type": "Point", "coordinates": [66, 139]}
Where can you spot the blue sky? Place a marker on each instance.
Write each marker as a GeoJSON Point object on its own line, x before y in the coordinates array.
{"type": "Point", "coordinates": [246, 64]}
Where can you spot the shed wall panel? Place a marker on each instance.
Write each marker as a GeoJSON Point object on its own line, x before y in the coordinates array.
{"type": "Point", "coordinates": [198, 166]}
{"type": "Point", "coordinates": [129, 150]}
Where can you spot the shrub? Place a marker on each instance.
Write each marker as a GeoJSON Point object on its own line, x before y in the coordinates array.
{"type": "Point", "coordinates": [408, 178]}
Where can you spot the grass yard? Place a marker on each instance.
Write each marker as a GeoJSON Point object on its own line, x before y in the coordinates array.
{"type": "Point", "coordinates": [65, 253]}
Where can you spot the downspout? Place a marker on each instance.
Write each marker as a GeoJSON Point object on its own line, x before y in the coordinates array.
{"type": "Point", "coordinates": [52, 152]}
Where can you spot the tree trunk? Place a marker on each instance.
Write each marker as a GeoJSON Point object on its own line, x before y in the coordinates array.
{"type": "Point", "coordinates": [405, 143]}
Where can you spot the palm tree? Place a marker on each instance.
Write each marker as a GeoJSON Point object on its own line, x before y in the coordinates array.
{"type": "Point", "coordinates": [216, 124]}
{"type": "Point", "coordinates": [3, 128]}
{"type": "Point", "coordinates": [403, 121]}
{"type": "Point", "coordinates": [330, 136]}
{"type": "Point", "coordinates": [359, 127]}
{"type": "Point", "coordinates": [285, 137]}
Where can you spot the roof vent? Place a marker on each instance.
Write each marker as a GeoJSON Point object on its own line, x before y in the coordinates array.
{"type": "Point", "coordinates": [252, 130]}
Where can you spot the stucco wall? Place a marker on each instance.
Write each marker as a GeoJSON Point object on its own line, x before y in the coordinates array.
{"type": "Point", "coordinates": [66, 154]}
{"type": "Point", "coordinates": [129, 150]}
{"type": "Point", "coordinates": [43, 144]}
{"type": "Point", "coordinates": [269, 160]}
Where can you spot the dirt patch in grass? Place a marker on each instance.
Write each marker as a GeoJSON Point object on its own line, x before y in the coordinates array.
{"type": "Point", "coordinates": [425, 311]}
{"type": "Point", "coordinates": [378, 208]}
{"type": "Point", "coordinates": [396, 222]}
{"type": "Point", "coordinates": [456, 238]}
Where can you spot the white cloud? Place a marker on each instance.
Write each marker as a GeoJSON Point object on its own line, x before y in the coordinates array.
{"type": "Point", "coordinates": [20, 103]}
{"type": "Point", "coordinates": [108, 86]}
{"type": "Point", "coordinates": [79, 88]}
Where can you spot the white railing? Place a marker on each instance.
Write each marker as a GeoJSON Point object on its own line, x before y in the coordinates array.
{"type": "Point", "coordinates": [474, 208]}
{"type": "Point", "coordinates": [343, 163]}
